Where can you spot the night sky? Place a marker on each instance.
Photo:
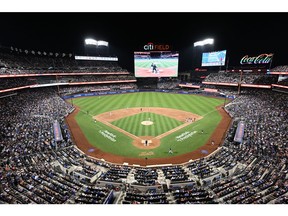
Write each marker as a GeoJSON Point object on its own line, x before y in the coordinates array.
{"type": "Point", "coordinates": [239, 33]}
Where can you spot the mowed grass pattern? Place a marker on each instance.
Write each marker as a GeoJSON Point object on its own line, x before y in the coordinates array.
{"type": "Point", "coordinates": [161, 124]}
{"type": "Point", "coordinates": [200, 105]}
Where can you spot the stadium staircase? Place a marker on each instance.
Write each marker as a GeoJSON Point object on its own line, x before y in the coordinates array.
{"type": "Point", "coordinates": [191, 177]}
{"type": "Point", "coordinates": [161, 177]}
{"type": "Point", "coordinates": [119, 197]}
{"type": "Point", "coordinates": [130, 177]}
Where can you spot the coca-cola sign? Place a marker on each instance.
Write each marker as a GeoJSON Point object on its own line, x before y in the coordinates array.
{"type": "Point", "coordinates": [260, 59]}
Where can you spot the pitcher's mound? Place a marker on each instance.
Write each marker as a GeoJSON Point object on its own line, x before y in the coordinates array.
{"type": "Point", "coordinates": [146, 122]}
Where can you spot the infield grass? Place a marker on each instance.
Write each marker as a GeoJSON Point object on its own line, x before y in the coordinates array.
{"type": "Point", "coordinates": [161, 124]}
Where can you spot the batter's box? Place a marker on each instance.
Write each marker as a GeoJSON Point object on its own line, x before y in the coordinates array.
{"type": "Point", "coordinates": [146, 142]}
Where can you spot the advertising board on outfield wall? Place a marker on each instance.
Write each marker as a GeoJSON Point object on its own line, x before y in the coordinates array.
{"type": "Point", "coordinates": [134, 91]}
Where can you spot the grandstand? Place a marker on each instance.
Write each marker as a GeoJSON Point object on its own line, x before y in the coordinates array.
{"type": "Point", "coordinates": [41, 164]}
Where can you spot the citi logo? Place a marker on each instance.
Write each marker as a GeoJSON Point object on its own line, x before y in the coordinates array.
{"type": "Point", "coordinates": [160, 47]}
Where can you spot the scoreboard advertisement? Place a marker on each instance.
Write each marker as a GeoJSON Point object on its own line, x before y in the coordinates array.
{"type": "Point", "coordinates": [216, 58]}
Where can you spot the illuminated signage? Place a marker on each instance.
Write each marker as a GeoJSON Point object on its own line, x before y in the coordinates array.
{"type": "Point", "coordinates": [260, 59]}
{"type": "Point", "coordinates": [273, 72]}
{"type": "Point", "coordinates": [280, 86]}
{"type": "Point", "coordinates": [96, 58]}
{"type": "Point", "coordinates": [220, 83]}
{"type": "Point", "coordinates": [201, 69]}
{"type": "Point", "coordinates": [159, 47]}
{"type": "Point", "coordinates": [255, 86]}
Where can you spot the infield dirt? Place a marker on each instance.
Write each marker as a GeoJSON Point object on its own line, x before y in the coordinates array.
{"type": "Point", "coordinates": [83, 144]}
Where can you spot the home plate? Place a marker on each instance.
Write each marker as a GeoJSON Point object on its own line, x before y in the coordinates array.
{"type": "Point", "coordinates": [146, 142]}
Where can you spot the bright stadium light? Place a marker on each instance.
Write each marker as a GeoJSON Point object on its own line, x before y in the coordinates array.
{"type": "Point", "coordinates": [196, 51]}
{"type": "Point", "coordinates": [102, 43]}
{"type": "Point", "coordinates": [90, 41]}
{"type": "Point", "coordinates": [204, 42]}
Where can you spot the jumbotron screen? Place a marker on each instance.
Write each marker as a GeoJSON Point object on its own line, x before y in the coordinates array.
{"type": "Point", "coordinates": [156, 64]}
{"type": "Point", "coordinates": [216, 58]}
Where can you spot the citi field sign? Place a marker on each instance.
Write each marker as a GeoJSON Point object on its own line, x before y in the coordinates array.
{"type": "Point", "coordinates": [156, 47]}
{"type": "Point", "coordinates": [260, 59]}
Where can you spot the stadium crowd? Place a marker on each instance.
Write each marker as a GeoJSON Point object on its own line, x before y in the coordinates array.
{"type": "Point", "coordinates": [14, 62]}
{"type": "Point", "coordinates": [34, 168]}
{"type": "Point", "coordinates": [245, 78]}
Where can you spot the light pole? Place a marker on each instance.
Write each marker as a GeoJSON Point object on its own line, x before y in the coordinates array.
{"type": "Point", "coordinates": [202, 43]}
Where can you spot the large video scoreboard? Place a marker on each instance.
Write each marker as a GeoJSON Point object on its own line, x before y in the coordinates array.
{"type": "Point", "coordinates": [216, 58]}
{"type": "Point", "coordinates": [156, 63]}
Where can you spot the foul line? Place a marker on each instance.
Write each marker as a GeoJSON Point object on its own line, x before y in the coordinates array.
{"type": "Point", "coordinates": [119, 129]}
{"type": "Point", "coordinates": [173, 130]}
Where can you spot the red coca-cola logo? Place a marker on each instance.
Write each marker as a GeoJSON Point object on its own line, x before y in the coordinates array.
{"type": "Point", "coordinates": [260, 59]}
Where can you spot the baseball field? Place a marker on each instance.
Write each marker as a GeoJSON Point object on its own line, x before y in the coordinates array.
{"type": "Point", "coordinates": [142, 127]}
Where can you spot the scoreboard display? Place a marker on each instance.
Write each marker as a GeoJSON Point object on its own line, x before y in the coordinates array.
{"type": "Point", "coordinates": [216, 58]}
{"type": "Point", "coordinates": [156, 63]}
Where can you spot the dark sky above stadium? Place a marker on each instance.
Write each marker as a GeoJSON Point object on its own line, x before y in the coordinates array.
{"type": "Point", "coordinates": [240, 33]}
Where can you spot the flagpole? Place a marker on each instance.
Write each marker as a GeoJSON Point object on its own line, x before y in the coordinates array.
{"type": "Point", "coordinates": [227, 64]}
{"type": "Point", "coordinates": [271, 61]}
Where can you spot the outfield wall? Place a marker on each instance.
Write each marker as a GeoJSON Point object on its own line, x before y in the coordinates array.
{"type": "Point", "coordinates": [143, 90]}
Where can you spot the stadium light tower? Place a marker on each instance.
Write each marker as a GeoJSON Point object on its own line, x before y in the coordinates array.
{"type": "Point", "coordinates": [200, 44]}
{"type": "Point", "coordinates": [204, 42]}
{"type": "Point", "coordinates": [98, 46]}
{"type": "Point", "coordinates": [90, 41]}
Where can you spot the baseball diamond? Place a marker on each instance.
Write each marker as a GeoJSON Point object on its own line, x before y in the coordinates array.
{"type": "Point", "coordinates": [148, 124]}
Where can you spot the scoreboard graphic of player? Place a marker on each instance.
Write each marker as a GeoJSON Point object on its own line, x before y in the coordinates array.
{"type": "Point", "coordinates": [156, 63]}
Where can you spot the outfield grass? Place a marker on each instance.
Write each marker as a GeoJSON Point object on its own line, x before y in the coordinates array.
{"type": "Point", "coordinates": [189, 138]}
